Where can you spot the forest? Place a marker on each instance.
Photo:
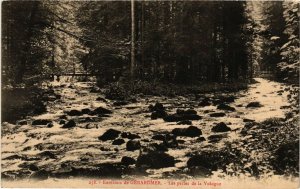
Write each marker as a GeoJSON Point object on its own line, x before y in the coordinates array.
{"type": "Point", "coordinates": [138, 69]}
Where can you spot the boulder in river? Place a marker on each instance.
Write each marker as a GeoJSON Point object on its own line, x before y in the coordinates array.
{"type": "Point", "coordinates": [133, 145]}
{"type": "Point", "coordinates": [181, 117]}
{"type": "Point", "coordinates": [205, 102]}
{"type": "Point", "coordinates": [85, 111]}
{"type": "Point", "coordinates": [62, 121]}
{"type": "Point", "coordinates": [120, 103]}
{"type": "Point", "coordinates": [74, 113]}
{"type": "Point", "coordinates": [129, 135]}
{"type": "Point", "coordinates": [157, 107]}
{"type": "Point", "coordinates": [69, 124]}
{"type": "Point", "coordinates": [216, 138]}
{"type": "Point", "coordinates": [248, 120]}
{"type": "Point", "coordinates": [110, 134]}
{"type": "Point", "coordinates": [158, 137]}
{"type": "Point", "coordinates": [221, 127]}
{"type": "Point", "coordinates": [223, 106]}
{"type": "Point", "coordinates": [155, 160]}
{"type": "Point", "coordinates": [118, 141]}
{"type": "Point", "coordinates": [217, 114]}
{"type": "Point", "coordinates": [191, 131]}
{"type": "Point", "coordinates": [158, 114]}
{"type": "Point", "coordinates": [254, 105]}
{"type": "Point", "coordinates": [227, 99]}
{"type": "Point", "coordinates": [127, 160]}
{"type": "Point", "coordinates": [41, 122]}
{"type": "Point", "coordinates": [101, 111]}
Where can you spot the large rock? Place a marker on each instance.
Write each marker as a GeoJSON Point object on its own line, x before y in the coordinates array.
{"type": "Point", "coordinates": [158, 147]}
{"type": "Point", "coordinates": [41, 122]}
{"type": "Point", "coordinates": [191, 131]}
{"type": "Point", "coordinates": [181, 117]}
{"type": "Point", "coordinates": [217, 114]}
{"type": "Point", "coordinates": [101, 111]}
{"type": "Point", "coordinates": [133, 145]}
{"type": "Point", "coordinates": [69, 124]}
{"type": "Point", "coordinates": [127, 160]}
{"type": "Point", "coordinates": [74, 113]}
{"type": "Point", "coordinates": [225, 107]}
{"type": "Point", "coordinates": [205, 102]}
{"type": "Point", "coordinates": [221, 127]}
{"type": "Point", "coordinates": [158, 137]}
{"type": "Point", "coordinates": [158, 114]}
{"type": "Point", "coordinates": [155, 160]}
{"type": "Point", "coordinates": [118, 141]}
{"type": "Point", "coordinates": [216, 138]}
{"type": "Point", "coordinates": [254, 105]}
{"type": "Point", "coordinates": [227, 99]}
{"type": "Point", "coordinates": [120, 103]}
{"type": "Point", "coordinates": [157, 107]}
{"type": "Point", "coordinates": [85, 111]}
{"type": "Point", "coordinates": [129, 135]}
{"type": "Point", "coordinates": [110, 134]}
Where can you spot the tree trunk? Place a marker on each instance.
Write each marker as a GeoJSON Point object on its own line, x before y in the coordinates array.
{"type": "Point", "coordinates": [132, 66]}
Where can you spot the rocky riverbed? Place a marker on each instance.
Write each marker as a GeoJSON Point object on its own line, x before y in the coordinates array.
{"type": "Point", "coordinates": [83, 134]}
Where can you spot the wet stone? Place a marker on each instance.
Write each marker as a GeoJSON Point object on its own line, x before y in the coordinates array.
{"type": "Point", "coordinates": [69, 124]}
{"type": "Point", "coordinates": [217, 114]}
{"type": "Point", "coordinates": [191, 131]}
{"type": "Point", "coordinates": [215, 138]}
{"type": "Point", "coordinates": [120, 103]}
{"type": "Point", "coordinates": [155, 160]}
{"type": "Point", "coordinates": [101, 110]}
{"type": "Point", "coordinates": [254, 105]}
{"type": "Point", "coordinates": [158, 137]}
{"type": "Point", "coordinates": [41, 122]}
{"type": "Point", "coordinates": [158, 114]}
{"type": "Point", "coordinates": [110, 134]}
{"type": "Point", "coordinates": [63, 117]}
{"type": "Point", "coordinates": [181, 117]}
{"type": "Point", "coordinates": [129, 135]}
{"type": "Point", "coordinates": [118, 142]}
{"type": "Point", "coordinates": [85, 111]}
{"type": "Point", "coordinates": [133, 145]}
{"type": "Point", "coordinates": [157, 107]}
{"type": "Point", "coordinates": [74, 113]}
{"type": "Point", "coordinates": [127, 160]}
{"type": "Point", "coordinates": [201, 139]}
{"type": "Point", "coordinates": [225, 107]}
{"type": "Point", "coordinates": [221, 127]}
{"type": "Point", "coordinates": [61, 122]}
{"type": "Point", "coordinates": [205, 102]}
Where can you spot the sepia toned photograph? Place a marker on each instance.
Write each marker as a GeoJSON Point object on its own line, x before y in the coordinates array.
{"type": "Point", "coordinates": [150, 94]}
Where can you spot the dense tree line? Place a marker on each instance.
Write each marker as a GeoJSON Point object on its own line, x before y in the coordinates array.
{"type": "Point", "coordinates": [276, 38]}
{"type": "Point", "coordinates": [39, 38]}
{"type": "Point", "coordinates": [173, 41]}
